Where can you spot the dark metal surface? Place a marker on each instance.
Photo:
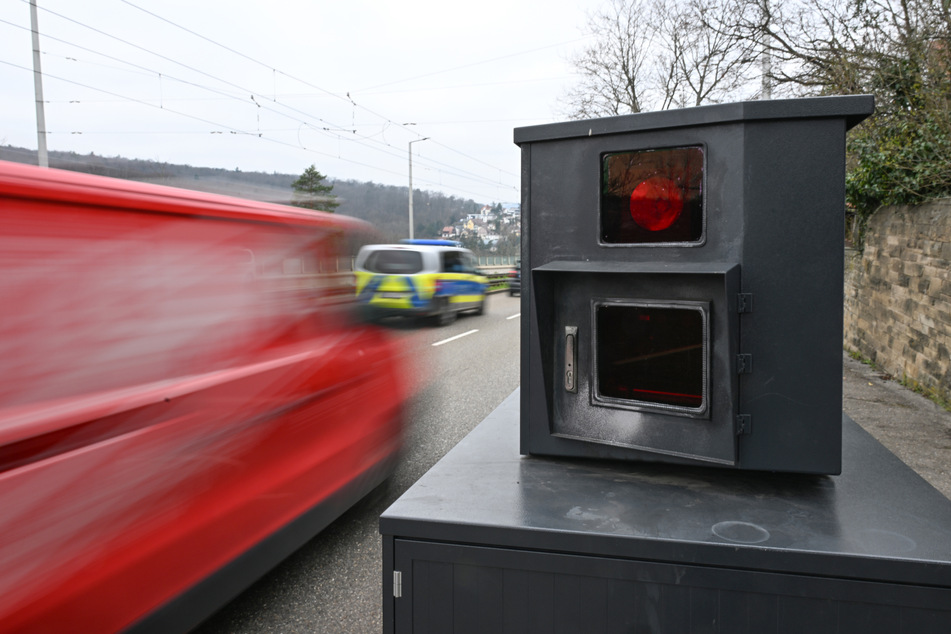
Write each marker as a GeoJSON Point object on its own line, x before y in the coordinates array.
{"type": "Point", "coordinates": [773, 199]}
{"type": "Point", "coordinates": [711, 439]}
{"type": "Point", "coordinates": [465, 589]}
{"type": "Point", "coordinates": [853, 109]}
{"type": "Point", "coordinates": [878, 521]}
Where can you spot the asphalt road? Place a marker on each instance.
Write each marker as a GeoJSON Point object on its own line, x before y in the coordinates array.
{"type": "Point", "coordinates": [334, 583]}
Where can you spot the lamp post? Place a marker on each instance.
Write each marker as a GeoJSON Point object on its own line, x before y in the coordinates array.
{"type": "Point", "coordinates": [411, 184]}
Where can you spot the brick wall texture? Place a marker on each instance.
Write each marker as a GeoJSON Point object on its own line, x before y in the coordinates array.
{"type": "Point", "coordinates": [898, 295]}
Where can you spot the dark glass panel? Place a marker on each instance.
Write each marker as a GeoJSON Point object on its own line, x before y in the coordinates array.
{"type": "Point", "coordinates": [652, 196]}
{"type": "Point", "coordinates": [651, 354]}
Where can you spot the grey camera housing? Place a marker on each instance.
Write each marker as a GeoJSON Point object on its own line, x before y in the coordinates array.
{"type": "Point", "coordinates": [762, 274]}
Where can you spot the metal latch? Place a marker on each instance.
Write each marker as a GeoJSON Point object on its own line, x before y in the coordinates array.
{"type": "Point", "coordinates": [397, 584]}
{"type": "Point", "coordinates": [571, 358]}
{"type": "Point", "coordinates": [744, 425]}
{"type": "Point", "coordinates": [744, 302]}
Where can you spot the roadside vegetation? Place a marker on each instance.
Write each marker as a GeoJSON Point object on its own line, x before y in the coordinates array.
{"type": "Point", "coordinates": [660, 54]}
{"type": "Point", "coordinates": [312, 193]}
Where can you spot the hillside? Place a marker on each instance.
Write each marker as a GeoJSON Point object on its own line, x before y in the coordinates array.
{"type": "Point", "coordinates": [383, 205]}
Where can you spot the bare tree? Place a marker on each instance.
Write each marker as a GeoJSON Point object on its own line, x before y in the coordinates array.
{"type": "Point", "coordinates": [660, 54]}
{"type": "Point", "coordinates": [847, 46]}
{"type": "Point", "coordinates": [705, 59]}
{"type": "Point", "coordinates": [613, 68]}
{"type": "Point", "coordinates": [811, 44]}
{"type": "Point", "coordinates": [898, 50]}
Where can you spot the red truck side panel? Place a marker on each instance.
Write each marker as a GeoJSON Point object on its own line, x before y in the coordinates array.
{"type": "Point", "coordinates": [180, 378]}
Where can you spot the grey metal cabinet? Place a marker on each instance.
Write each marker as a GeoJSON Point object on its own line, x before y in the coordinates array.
{"type": "Point", "coordinates": [490, 541]}
{"type": "Point", "coordinates": [455, 588]}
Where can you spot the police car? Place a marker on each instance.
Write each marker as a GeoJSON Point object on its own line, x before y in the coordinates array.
{"type": "Point", "coordinates": [435, 279]}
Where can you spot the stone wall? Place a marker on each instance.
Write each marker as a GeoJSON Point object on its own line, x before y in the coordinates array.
{"type": "Point", "coordinates": [898, 295]}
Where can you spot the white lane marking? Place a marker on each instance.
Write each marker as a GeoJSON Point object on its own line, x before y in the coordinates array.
{"type": "Point", "coordinates": [439, 343]}
{"type": "Point", "coordinates": [515, 316]}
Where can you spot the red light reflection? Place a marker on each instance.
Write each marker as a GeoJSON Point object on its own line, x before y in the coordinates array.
{"type": "Point", "coordinates": [656, 203]}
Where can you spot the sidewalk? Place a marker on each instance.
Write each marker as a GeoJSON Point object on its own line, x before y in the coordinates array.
{"type": "Point", "coordinates": [907, 424]}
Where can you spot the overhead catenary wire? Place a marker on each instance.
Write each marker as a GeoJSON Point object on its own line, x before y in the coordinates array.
{"type": "Point", "coordinates": [347, 97]}
{"type": "Point", "coordinates": [228, 128]}
{"type": "Point", "coordinates": [472, 64]}
{"type": "Point", "coordinates": [327, 128]}
{"type": "Point", "coordinates": [375, 141]}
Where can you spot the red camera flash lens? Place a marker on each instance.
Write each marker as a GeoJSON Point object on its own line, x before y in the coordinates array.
{"type": "Point", "coordinates": [656, 203]}
{"type": "Point", "coordinates": [652, 197]}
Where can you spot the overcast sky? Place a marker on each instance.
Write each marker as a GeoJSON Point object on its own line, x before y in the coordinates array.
{"type": "Point", "coordinates": [277, 86]}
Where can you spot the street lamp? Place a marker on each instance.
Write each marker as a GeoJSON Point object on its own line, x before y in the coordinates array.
{"type": "Point", "coordinates": [411, 184]}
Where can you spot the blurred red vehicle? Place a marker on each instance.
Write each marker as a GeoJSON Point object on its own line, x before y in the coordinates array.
{"type": "Point", "coordinates": [185, 397]}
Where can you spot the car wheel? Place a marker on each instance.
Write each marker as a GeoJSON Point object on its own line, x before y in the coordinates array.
{"type": "Point", "coordinates": [446, 315]}
{"type": "Point", "coordinates": [480, 309]}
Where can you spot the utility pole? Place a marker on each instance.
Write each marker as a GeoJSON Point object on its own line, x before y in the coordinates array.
{"type": "Point", "coordinates": [41, 157]}
{"type": "Point", "coordinates": [766, 63]}
{"type": "Point", "coordinates": [411, 185]}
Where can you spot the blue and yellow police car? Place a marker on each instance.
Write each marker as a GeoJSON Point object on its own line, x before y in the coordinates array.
{"type": "Point", "coordinates": [435, 279]}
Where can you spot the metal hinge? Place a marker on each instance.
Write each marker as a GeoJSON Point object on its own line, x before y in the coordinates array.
{"type": "Point", "coordinates": [744, 424]}
{"type": "Point", "coordinates": [397, 584]}
{"type": "Point", "coordinates": [744, 363]}
{"type": "Point", "coordinates": [744, 302]}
